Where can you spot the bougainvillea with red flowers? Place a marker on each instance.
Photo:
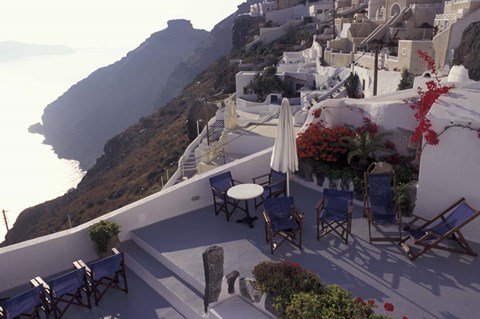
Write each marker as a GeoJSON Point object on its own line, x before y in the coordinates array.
{"type": "Point", "coordinates": [424, 102]}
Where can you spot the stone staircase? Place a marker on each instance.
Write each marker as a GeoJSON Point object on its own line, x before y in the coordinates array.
{"type": "Point", "coordinates": [181, 290]}
{"type": "Point", "coordinates": [150, 267]}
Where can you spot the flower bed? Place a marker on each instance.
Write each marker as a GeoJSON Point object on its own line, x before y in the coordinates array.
{"type": "Point", "coordinates": [299, 294]}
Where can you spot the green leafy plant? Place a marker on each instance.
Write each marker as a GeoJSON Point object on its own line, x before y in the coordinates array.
{"type": "Point", "coordinates": [406, 82]}
{"type": "Point", "coordinates": [363, 146]}
{"type": "Point", "coordinates": [352, 86]}
{"type": "Point", "coordinates": [102, 232]}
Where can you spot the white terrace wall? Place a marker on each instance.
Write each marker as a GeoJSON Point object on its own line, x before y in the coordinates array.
{"type": "Point", "coordinates": [387, 81]}
{"type": "Point", "coordinates": [48, 255]}
{"type": "Point", "coordinates": [451, 170]}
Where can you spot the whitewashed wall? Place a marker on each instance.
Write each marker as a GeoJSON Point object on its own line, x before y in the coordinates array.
{"type": "Point", "coordinates": [451, 169]}
{"type": "Point", "coordinates": [387, 80]}
{"type": "Point", "coordinates": [242, 79]}
{"type": "Point", "coordinates": [48, 255]}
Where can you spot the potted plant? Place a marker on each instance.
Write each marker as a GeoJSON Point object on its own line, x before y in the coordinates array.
{"type": "Point", "coordinates": [362, 146]}
{"type": "Point", "coordinates": [105, 235]}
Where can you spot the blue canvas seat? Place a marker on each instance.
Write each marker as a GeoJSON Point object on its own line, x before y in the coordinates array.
{"type": "Point", "coordinates": [68, 289]}
{"type": "Point", "coordinates": [444, 227]}
{"type": "Point", "coordinates": [282, 220]}
{"type": "Point", "coordinates": [26, 304]}
{"type": "Point", "coordinates": [221, 201]}
{"type": "Point", "coordinates": [334, 213]}
{"type": "Point", "coordinates": [274, 185]}
{"type": "Point", "coordinates": [380, 204]}
{"type": "Point", "coordinates": [105, 273]}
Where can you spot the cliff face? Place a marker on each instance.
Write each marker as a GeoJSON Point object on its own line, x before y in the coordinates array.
{"type": "Point", "coordinates": [112, 98]}
{"type": "Point", "coordinates": [132, 166]}
{"type": "Point", "coordinates": [468, 51]}
{"type": "Point", "coordinates": [217, 44]}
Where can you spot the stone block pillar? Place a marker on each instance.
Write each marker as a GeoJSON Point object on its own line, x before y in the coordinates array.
{"type": "Point", "coordinates": [213, 266]}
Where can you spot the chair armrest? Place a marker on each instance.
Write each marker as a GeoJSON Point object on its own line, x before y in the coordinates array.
{"type": "Point", "coordinates": [298, 215]}
{"type": "Point", "coordinates": [266, 217]}
{"type": "Point", "coordinates": [81, 264]}
{"type": "Point", "coordinates": [38, 281]}
{"type": "Point", "coordinates": [217, 191]}
{"type": "Point", "coordinates": [260, 177]}
{"type": "Point", "coordinates": [236, 182]}
{"type": "Point", "coordinates": [320, 203]}
{"type": "Point", "coordinates": [284, 182]}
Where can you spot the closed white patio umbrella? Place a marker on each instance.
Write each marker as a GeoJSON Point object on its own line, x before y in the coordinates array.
{"type": "Point", "coordinates": [284, 154]}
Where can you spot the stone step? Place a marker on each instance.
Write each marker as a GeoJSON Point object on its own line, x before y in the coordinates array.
{"type": "Point", "coordinates": [182, 296]}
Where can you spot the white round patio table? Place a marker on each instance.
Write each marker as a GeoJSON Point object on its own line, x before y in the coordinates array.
{"type": "Point", "coordinates": [245, 192]}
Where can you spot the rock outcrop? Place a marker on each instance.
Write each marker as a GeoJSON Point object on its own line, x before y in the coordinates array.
{"type": "Point", "coordinates": [112, 98]}
{"type": "Point", "coordinates": [468, 51]}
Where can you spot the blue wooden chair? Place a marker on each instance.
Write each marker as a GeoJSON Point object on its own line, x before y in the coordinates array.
{"type": "Point", "coordinates": [29, 303]}
{"type": "Point", "coordinates": [221, 201]}
{"type": "Point", "coordinates": [68, 289]}
{"type": "Point", "coordinates": [274, 185]}
{"type": "Point", "coordinates": [334, 213]}
{"type": "Point", "coordinates": [442, 231]}
{"type": "Point", "coordinates": [282, 220]}
{"type": "Point", "coordinates": [380, 204]}
{"type": "Point", "coordinates": [105, 274]}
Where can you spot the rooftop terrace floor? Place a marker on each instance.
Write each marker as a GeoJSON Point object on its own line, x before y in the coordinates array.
{"type": "Point", "coordinates": [437, 285]}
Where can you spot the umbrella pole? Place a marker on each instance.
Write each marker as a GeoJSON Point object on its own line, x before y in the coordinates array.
{"type": "Point", "coordinates": [288, 182]}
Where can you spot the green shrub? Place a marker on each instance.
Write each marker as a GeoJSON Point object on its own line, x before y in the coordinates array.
{"type": "Point", "coordinates": [304, 305]}
{"type": "Point", "coordinates": [337, 302]}
{"type": "Point", "coordinates": [101, 233]}
{"type": "Point", "coordinates": [299, 294]}
{"type": "Point", "coordinates": [282, 280]}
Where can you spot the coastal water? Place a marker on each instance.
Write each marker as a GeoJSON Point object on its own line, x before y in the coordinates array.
{"type": "Point", "coordinates": [30, 172]}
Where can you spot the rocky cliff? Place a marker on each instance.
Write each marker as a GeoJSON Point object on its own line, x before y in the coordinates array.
{"type": "Point", "coordinates": [112, 98]}
{"type": "Point", "coordinates": [468, 51]}
{"type": "Point", "coordinates": [217, 44]}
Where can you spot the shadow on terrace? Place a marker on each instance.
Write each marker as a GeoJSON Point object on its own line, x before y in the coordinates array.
{"type": "Point", "coordinates": [437, 285]}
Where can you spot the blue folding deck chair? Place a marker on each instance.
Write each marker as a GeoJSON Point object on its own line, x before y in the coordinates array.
{"type": "Point", "coordinates": [334, 213]}
{"type": "Point", "coordinates": [274, 185]}
{"type": "Point", "coordinates": [221, 201]}
{"type": "Point", "coordinates": [105, 273]}
{"type": "Point", "coordinates": [282, 220]}
{"type": "Point", "coordinates": [63, 291]}
{"type": "Point", "coordinates": [380, 204]}
{"type": "Point", "coordinates": [444, 227]}
{"type": "Point", "coordinates": [26, 304]}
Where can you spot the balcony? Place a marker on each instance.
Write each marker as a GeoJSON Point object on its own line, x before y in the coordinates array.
{"type": "Point", "coordinates": [164, 236]}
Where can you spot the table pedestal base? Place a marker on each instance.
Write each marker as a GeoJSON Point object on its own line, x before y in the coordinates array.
{"type": "Point", "coordinates": [248, 220]}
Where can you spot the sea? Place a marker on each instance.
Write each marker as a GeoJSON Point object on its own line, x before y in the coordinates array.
{"type": "Point", "coordinates": [30, 172]}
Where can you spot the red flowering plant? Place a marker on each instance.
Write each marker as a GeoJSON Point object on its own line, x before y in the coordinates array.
{"type": "Point", "coordinates": [423, 104]}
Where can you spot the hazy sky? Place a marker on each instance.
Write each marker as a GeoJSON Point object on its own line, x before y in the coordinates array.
{"type": "Point", "coordinates": [102, 23]}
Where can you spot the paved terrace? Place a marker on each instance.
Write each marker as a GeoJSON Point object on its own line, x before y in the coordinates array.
{"type": "Point", "coordinates": [437, 285]}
